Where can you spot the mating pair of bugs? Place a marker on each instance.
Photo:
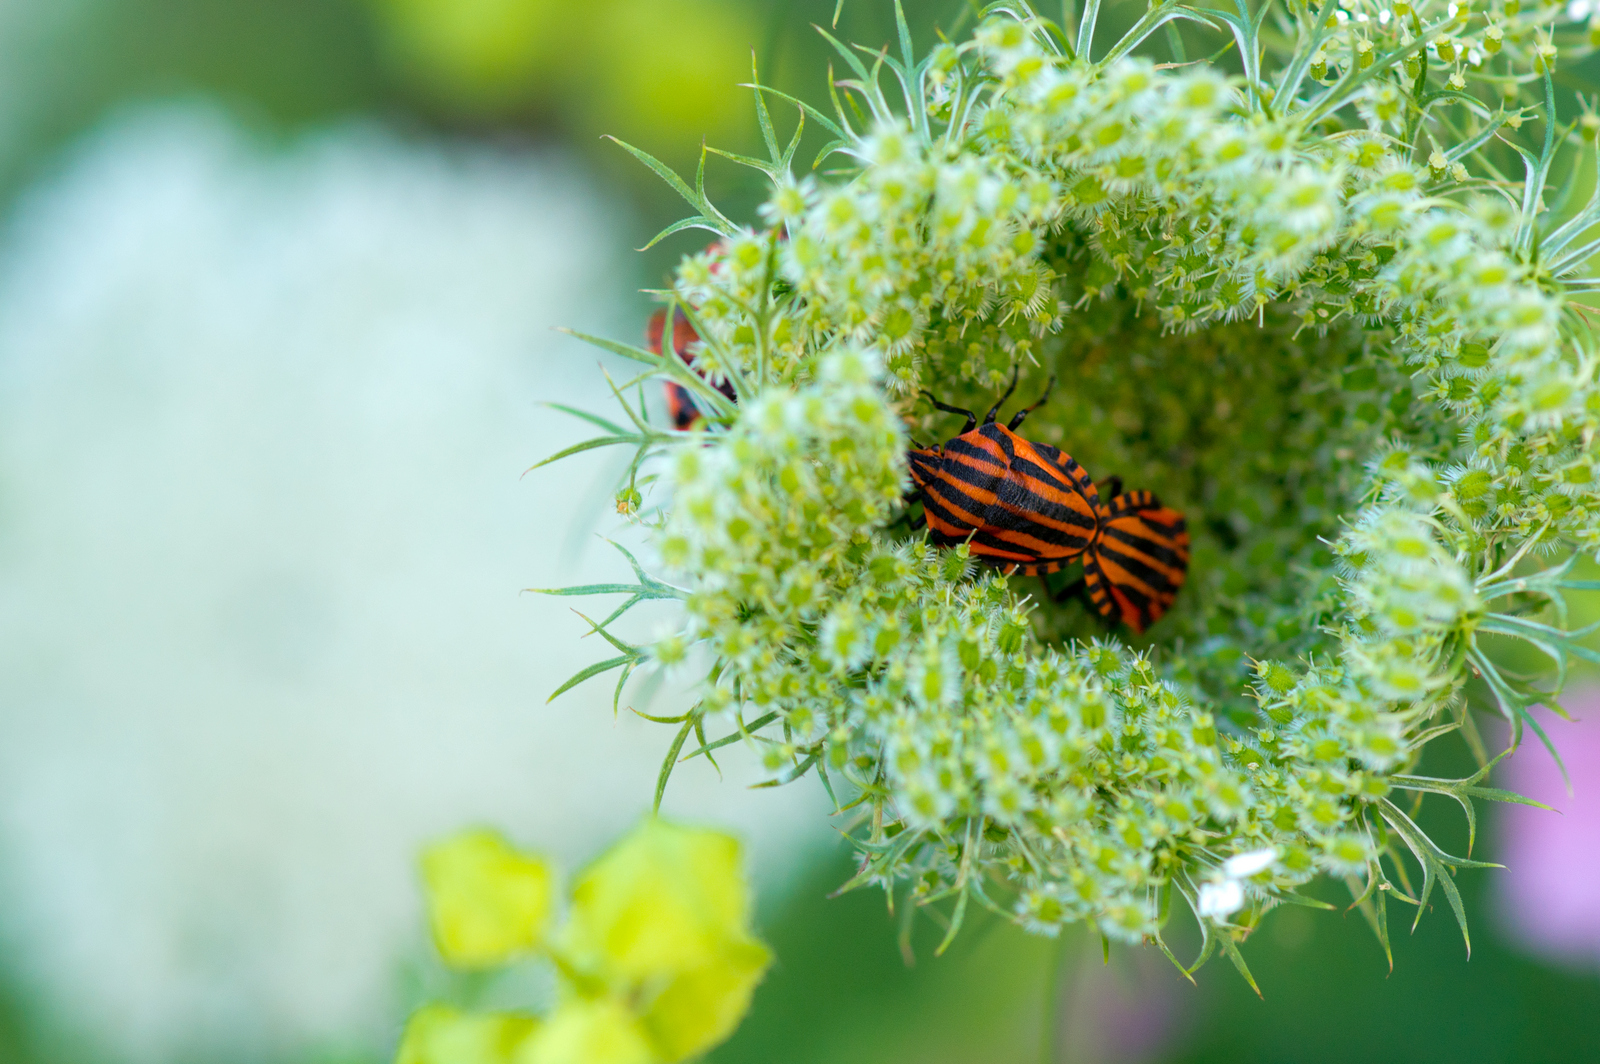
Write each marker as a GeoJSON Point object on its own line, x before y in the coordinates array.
{"type": "Point", "coordinates": [1024, 507]}
{"type": "Point", "coordinates": [1029, 508]}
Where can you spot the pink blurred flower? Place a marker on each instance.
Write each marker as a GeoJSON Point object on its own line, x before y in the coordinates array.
{"type": "Point", "coordinates": [1549, 895]}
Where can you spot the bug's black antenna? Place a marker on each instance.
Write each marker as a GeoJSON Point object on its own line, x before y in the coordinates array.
{"type": "Point", "coordinates": [995, 409]}
{"type": "Point", "coordinates": [1016, 419]}
{"type": "Point", "coordinates": [972, 419]}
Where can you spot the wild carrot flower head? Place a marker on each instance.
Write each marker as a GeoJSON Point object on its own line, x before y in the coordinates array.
{"type": "Point", "coordinates": [1317, 304]}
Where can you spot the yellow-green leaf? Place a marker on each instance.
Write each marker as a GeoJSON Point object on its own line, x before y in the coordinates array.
{"type": "Point", "coordinates": [701, 1008]}
{"type": "Point", "coordinates": [439, 1034]}
{"type": "Point", "coordinates": [663, 901]}
{"type": "Point", "coordinates": [588, 1031]}
{"type": "Point", "coordinates": [477, 51]}
{"type": "Point", "coordinates": [486, 901]}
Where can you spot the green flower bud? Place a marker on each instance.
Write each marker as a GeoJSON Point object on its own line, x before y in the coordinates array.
{"type": "Point", "coordinates": [1277, 677]}
{"type": "Point", "coordinates": [1473, 485]}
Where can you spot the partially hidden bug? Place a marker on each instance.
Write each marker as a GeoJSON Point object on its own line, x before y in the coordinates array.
{"type": "Point", "coordinates": [681, 408]}
{"type": "Point", "coordinates": [1137, 564]}
{"type": "Point", "coordinates": [1021, 506]}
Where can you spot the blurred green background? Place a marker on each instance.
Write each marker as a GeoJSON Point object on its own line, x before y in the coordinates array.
{"type": "Point", "coordinates": [457, 145]}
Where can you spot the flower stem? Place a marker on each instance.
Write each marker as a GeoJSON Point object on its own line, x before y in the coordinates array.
{"type": "Point", "coordinates": [1050, 1008]}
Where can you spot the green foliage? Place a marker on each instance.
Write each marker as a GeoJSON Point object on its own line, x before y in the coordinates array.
{"type": "Point", "coordinates": [1319, 305]}
{"type": "Point", "coordinates": [656, 961]}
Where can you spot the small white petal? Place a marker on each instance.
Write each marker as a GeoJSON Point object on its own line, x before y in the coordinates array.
{"type": "Point", "coordinates": [1245, 865]}
{"type": "Point", "coordinates": [1218, 900]}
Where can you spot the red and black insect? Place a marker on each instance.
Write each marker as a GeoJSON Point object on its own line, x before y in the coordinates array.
{"type": "Point", "coordinates": [1021, 506]}
{"type": "Point", "coordinates": [681, 407]}
{"type": "Point", "coordinates": [1029, 508]}
{"type": "Point", "coordinates": [1133, 571]}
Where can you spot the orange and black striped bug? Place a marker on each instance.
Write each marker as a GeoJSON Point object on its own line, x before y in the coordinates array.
{"type": "Point", "coordinates": [681, 408]}
{"type": "Point", "coordinates": [1021, 506]}
{"type": "Point", "coordinates": [1133, 571]}
{"type": "Point", "coordinates": [1029, 508]}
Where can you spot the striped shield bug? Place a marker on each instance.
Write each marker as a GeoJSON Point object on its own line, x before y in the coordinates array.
{"type": "Point", "coordinates": [681, 408]}
{"type": "Point", "coordinates": [1021, 506]}
{"type": "Point", "coordinates": [1029, 508]}
{"type": "Point", "coordinates": [1133, 571]}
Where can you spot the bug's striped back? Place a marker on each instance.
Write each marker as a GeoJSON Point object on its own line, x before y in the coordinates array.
{"type": "Point", "coordinates": [1133, 572]}
{"type": "Point", "coordinates": [1022, 506]}
{"type": "Point", "coordinates": [681, 408]}
{"type": "Point", "coordinates": [683, 335]}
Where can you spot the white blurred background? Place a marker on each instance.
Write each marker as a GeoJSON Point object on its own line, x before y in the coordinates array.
{"type": "Point", "coordinates": [263, 417]}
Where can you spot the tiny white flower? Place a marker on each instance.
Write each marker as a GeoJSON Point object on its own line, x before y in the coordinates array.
{"type": "Point", "coordinates": [1220, 900]}
{"type": "Point", "coordinates": [1245, 865]}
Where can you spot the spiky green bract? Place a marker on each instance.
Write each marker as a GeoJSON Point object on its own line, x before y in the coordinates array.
{"type": "Point", "coordinates": [1350, 361]}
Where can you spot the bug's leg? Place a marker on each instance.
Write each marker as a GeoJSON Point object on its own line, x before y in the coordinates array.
{"type": "Point", "coordinates": [1110, 487]}
{"type": "Point", "coordinates": [988, 419]}
{"type": "Point", "coordinates": [1105, 609]}
{"type": "Point", "coordinates": [1016, 419]}
{"type": "Point", "coordinates": [972, 419]}
{"type": "Point", "coordinates": [908, 500]}
{"type": "Point", "coordinates": [1077, 589]}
